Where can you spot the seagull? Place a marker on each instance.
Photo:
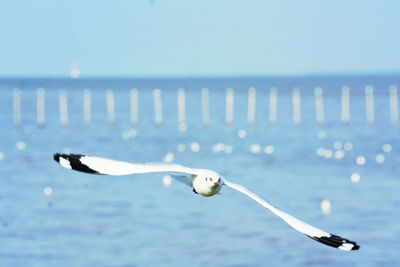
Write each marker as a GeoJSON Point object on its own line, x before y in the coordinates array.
{"type": "Point", "coordinates": [202, 181]}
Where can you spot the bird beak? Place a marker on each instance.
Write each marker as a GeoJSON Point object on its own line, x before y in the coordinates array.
{"type": "Point", "coordinates": [216, 184]}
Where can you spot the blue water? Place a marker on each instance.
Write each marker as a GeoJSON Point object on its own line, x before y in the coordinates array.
{"type": "Point", "coordinates": [91, 220]}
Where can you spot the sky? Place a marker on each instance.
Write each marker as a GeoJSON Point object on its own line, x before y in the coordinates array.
{"type": "Point", "coordinates": [154, 38]}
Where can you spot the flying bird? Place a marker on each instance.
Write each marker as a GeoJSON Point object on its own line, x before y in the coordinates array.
{"type": "Point", "coordinates": [202, 181]}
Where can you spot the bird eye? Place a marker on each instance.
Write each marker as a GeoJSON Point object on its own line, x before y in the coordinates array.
{"type": "Point", "coordinates": [206, 179]}
{"type": "Point", "coordinates": [211, 179]}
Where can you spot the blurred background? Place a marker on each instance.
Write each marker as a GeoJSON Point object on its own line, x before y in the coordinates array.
{"type": "Point", "coordinates": [296, 100]}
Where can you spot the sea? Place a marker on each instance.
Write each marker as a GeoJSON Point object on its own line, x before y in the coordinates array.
{"type": "Point", "coordinates": [323, 149]}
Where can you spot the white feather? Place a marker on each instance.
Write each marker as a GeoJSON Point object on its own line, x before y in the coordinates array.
{"type": "Point", "coordinates": [65, 163]}
{"type": "Point", "coordinates": [292, 221]}
{"type": "Point", "coordinates": [114, 167]}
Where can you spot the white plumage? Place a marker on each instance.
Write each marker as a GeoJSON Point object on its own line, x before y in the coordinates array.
{"type": "Point", "coordinates": [204, 182]}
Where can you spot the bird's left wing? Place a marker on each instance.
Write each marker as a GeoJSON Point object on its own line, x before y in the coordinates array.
{"type": "Point", "coordinates": [97, 165]}
{"type": "Point", "coordinates": [309, 230]}
{"type": "Point", "coordinates": [185, 179]}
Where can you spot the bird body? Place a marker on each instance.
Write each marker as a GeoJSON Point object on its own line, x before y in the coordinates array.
{"type": "Point", "coordinates": [207, 185]}
{"type": "Point", "coordinates": [203, 182]}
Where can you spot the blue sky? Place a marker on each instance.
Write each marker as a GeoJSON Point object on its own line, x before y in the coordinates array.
{"type": "Point", "coordinates": [199, 38]}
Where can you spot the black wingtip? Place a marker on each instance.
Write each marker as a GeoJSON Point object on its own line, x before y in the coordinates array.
{"type": "Point", "coordinates": [337, 242]}
{"type": "Point", "coordinates": [56, 157]}
{"type": "Point", "coordinates": [74, 162]}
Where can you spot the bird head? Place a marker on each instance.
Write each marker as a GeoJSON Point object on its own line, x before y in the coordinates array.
{"type": "Point", "coordinates": [213, 182]}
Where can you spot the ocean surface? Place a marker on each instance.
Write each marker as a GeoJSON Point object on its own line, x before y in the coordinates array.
{"type": "Point", "coordinates": [51, 216]}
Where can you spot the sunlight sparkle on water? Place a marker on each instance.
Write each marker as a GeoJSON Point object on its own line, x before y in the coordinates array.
{"type": "Point", "coordinates": [348, 146]}
{"type": "Point", "coordinates": [255, 148]}
{"type": "Point", "coordinates": [339, 154]}
{"type": "Point", "coordinates": [48, 191]}
{"type": "Point", "coordinates": [169, 157]}
{"type": "Point", "coordinates": [242, 133]}
{"type": "Point", "coordinates": [228, 149]}
{"type": "Point", "coordinates": [195, 147]}
{"type": "Point", "coordinates": [337, 145]}
{"type": "Point", "coordinates": [129, 134]}
{"type": "Point", "coordinates": [218, 147]}
{"type": "Point", "coordinates": [20, 145]}
{"type": "Point", "coordinates": [322, 135]}
{"type": "Point", "coordinates": [182, 127]}
{"type": "Point", "coordinates": [326, 206]}
{"type": "Point", "coordinates": [320, 151]}
{"type": "Point", "coordinates": [269, 149]}
{"type": "Point", "coordinates": [180, 147]}
{"type": "Point", "coordinates": [361, 160]}
{"type": "Point", "coordinates": [387, 148]}
{"type": "Point", "coordinates": [380, 158]}
{"type": "Point", "coordinates": [355, 177]}
{"type": "Point", "coordinates": [166, 180]}
{"type": "Point", "coordinates": [328, 153]}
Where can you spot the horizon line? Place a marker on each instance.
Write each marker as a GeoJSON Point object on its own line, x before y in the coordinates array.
{"type": "Point", "coordinates": [183, 77]}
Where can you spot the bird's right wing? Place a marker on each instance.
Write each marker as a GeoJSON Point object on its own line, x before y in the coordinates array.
{"type": "Point", "coordinates": [309, 230]}
{"type": "Point", "coordinates": [97, 165]}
